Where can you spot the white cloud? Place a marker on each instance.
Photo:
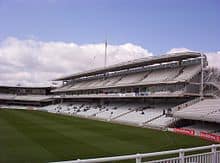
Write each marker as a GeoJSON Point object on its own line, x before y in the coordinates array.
{"type": "Point", "coordinates": [26, 61]}
{"type": "Point", "coordinates": [214, 59]}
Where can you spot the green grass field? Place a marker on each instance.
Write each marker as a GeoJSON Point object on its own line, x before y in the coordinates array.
{"type": "Point", "coordinates": [33, 136]}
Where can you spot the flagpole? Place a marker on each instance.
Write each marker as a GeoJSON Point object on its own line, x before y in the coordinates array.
{"type": "Point", "coordinates": [105, 53]}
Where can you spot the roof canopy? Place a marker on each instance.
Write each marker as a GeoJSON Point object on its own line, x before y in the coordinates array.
{"type": "Point", "coordinates": [134, 63]}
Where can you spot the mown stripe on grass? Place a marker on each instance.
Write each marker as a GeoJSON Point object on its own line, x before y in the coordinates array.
{"type": "Point", "coordinates": [130, 133]}
{"type": "Point", "coordinates": [95, 139]}
{"type": "Point", "coordinates": [106, 134]}
{"type": "Point", "coordinates": [17, 147]}
{"type": "Point", "coordinates": [132, 136]}
{"type": "Point", "coordinates": [68, 137]}
{"type": "Point", "coordinates": [55, 142]}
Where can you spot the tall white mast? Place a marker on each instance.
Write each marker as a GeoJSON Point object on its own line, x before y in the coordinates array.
{"type": "Point", "coordinates": [106, 44]}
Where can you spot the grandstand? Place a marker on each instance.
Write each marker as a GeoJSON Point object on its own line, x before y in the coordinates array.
{"type": "Point", "coordinates": [25, 95]}
{"type": "Point", "coordinates": [172, 92]}
{"type": "Point", "coordinates": [166, 74]}
{"type": "Point", "coordinates": [150, 92]}
{"type": "Point", "coordinates": [160, 92]}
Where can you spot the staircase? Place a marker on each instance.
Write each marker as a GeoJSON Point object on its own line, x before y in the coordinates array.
{"type": "Point", "coordinates": [120, 115]}
{"type": "Point", "coordinates": [144, 123]}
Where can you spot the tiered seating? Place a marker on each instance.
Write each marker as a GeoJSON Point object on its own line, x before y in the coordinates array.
{"type": "Point", "coordinates": [64, 109]}
{"type": "Point", "coordinates": [95, 83]}
{"type": "Point", "coordinates": [24, 97]}
{"type": "Point", "coordinates": [188, 72]}
{"type": "Point", "coordinates": [112, 81]}
{"type": "Point", "coordinates": [147, 77]}
{"type": "Point", "coordinates": [162, 121]}
{"type": "Point", "coordinates": [101, 83]}
{"type": "Point", "coordinates": [89, 110]}
{"type": "Point", "coordinates": [31, 97]}
{"type": "Point", "coordinates": [161, 75]}
{"type": "Point", "coordinates": [141, 115]}
{"type": "Point", "coordinates": [133, 113]}
{"type": "Point", "coordinates": [204, 110]}
{"type": "Point", "coordinates": [58, 109]}
{"type": "Point", "coordinates": [79, 85]}
{"type": "Point", "coordinates": [64, 88]}
{"type": "Point", "coordinates": [61, 108]}
{"type": "Point", "coordinates": [132, 78]}
{"type": "Point", "coordinates": [50, 108]}
{"type": "Point", "coordinates": [113, 110]}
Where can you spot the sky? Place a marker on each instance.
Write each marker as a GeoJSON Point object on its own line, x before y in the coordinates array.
{"type": "Point", "coordinates": [44, 39]}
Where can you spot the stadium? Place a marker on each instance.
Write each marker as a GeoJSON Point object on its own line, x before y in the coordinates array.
{"type": "Point", "coordinates": [146, 106]}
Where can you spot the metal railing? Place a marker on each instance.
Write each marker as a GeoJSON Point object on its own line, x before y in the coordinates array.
{"type": "Point", "coordinates": [212, 156]}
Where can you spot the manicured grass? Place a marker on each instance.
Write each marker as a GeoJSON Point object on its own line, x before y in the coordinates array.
{"type": "Point", "coordinates": [33, 136]}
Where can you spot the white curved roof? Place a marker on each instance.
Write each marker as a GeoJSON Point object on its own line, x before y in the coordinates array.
{"type": "Point", "coordinates": [134, 63]}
